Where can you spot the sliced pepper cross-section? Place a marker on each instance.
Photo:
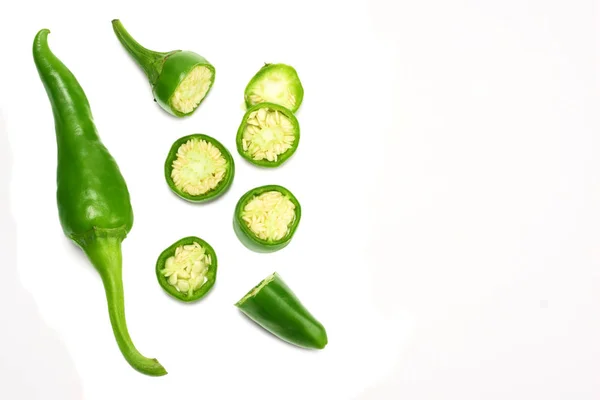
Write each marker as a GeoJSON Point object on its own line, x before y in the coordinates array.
{"type": "Point", "coordinates": [187, 269]}
{"type": "Point", "coordinates": [180, 80]}
{"type": "Point", "coordinates": [275, 83]}
{"type": "Point", "coordinates": [274, 306]}
{"type": "Point", "coordinates": [199, 168]}
{"type": "Point", "coordinates": [266, 218]}
{"type": "Point", "coordinates": [268, 135]}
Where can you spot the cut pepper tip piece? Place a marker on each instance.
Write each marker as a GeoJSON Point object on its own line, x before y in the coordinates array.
{"type": "Point", "coordinates": [273, 306]}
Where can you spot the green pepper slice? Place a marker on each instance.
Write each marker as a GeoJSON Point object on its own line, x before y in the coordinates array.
{"type": "Point", "coordinates": [266, 218]}
{"type": "Point", "coordinates": [275, 83]}
{"type": "Point", "coordinates": [180, 80]}
{"type": "Point", "coordinates": [199, 168]}
{"type": "Point", "coordinates": [273, 306]}
{"type": "Point", "coordinates": [187, 269]}
{"type": "Point", "coordinates": [268, 135]}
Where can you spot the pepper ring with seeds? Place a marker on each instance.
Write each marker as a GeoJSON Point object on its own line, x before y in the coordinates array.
{"type": "Point", "coordinates": [266, 218]}
{"type": "Point", "coordinates": [268, 135]}
{"type": "Point", "coordinates": [199, 168]}
{"type": "Point", "coordinates": [187, 269]}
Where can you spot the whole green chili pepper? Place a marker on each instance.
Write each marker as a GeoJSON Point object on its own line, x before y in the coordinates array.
{"type": "Point", "coordinates": [268, 135]}
{"type": "Point", "coordinates": [92, 197]}
{"type": "Point", "coordinates": [199, 168]}
{"type": "Point", "coordinates": [187, 269]}
{"type": "Point", "coordinates": [275, 83]}
{"type": "Point", "coordinates": [266, 218]}
{"type": "Point", "coordinates": [180, 80]}
{"type": "Point", "coordinates": [273, 305]}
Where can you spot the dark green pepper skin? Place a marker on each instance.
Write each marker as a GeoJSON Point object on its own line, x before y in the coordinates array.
{"type": "Point", "coordinates": [212, 194]}
{"type": "Point", "coordinates": [165, 70]}
{"type": "Point", "coordinates": [277, 309]}
{"type": "Point", "coordinates": [211, 275]}
{"type": "Point", "coordinates": [93, 200]}
{"type": "Point", "coordinates": [282, 157]}
{"type": "Point", "coordinates": [247, 237]}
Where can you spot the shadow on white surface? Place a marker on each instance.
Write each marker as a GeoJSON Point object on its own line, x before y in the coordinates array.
{"type": "Point", "coordinates": [34, 362]}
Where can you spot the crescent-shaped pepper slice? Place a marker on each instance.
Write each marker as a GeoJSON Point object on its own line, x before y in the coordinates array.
{"type": "Point", "coordinates": [273, 305]}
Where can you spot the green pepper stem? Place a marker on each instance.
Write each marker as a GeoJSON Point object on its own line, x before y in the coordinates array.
{"type": "Point", "coordinates": [150, 61]}
{"type": "Point", "coordinates": [105, 255]}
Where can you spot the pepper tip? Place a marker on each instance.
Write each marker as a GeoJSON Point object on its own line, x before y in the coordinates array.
{"type": "Point", "coordinates": [153, 368]}
{"type": "Point", "coordinates": [40, 40]}
{"type": "Point", "coordinates": [43, 32]}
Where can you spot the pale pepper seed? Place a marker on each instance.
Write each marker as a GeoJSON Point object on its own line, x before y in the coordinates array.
{"type": "Point", "coordinates": [192, 89]}
{"type": "Point", "coordinates": [269, 215]}
{"type": "Point", "coordinates": [186, 270]}
{"type": "Point", "coordinates": [199, 167]}
{"type": "Point", "coordinates": [268, 134]}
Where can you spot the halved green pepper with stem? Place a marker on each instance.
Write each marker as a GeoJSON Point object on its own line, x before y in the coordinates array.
{"type": "Point", "coordinates": [180, 80]}
{"type": "Point", "coordinates": [93, 201]}
{"type": "Point", "coordinates": [266, 218]}
{"type": "Point", "coordinates": [273, 305]}
{"type": "Point", "coordinates": [199, 168]}
{"type": "Point", "coordinates": [187, 269]}
{"type": "Point", "coordinates": [275, 83]}
{"type": "Point", "coordinates": [268, 135]}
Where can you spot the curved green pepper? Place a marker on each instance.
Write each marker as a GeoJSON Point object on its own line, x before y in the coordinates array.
{"type": "Point", "coordinates": [180, 80]}
{"type": "Point", "coordinates": [92, 197]}
{"type": "Point", "coordinates": [268, 135]}
{"type": "Point", "coordinates": [187, 269]}
{"type": "Point", "coordinates": [199, 168]}
{"type": "Point", "coordinates": [266, 218]}
{"type": "Point", "coordinates": [273, 305]}
{"type": "Point", "coordinates": [275, 83]}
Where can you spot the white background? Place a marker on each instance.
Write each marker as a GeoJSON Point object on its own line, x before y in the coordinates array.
{"type": "Point", "coordinates": [448, 173]}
